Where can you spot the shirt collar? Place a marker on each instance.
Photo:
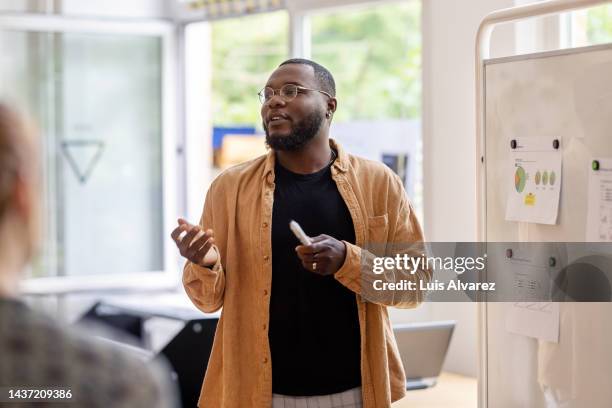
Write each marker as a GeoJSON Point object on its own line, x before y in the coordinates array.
{"type": "Point", "coordinates": [341, 162]}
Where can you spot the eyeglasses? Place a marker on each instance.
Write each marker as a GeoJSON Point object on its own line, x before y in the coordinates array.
{"type": "Point", "coordinates": [288, 92]}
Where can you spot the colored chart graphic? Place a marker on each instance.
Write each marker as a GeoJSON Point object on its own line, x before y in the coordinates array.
{"type": "Point", "coordinates": [520, 179]}
{"type": "Point", "coordinates": [545, 178]}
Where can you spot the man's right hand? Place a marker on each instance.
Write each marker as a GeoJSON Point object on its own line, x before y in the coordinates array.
{"type": "Point", "coordinates": [195, 244]}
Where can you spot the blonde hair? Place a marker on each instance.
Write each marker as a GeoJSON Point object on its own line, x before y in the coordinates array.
{"type": "Point", "coordinates": [14, 144]}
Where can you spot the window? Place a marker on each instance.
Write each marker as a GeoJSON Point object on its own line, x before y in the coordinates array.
{"type": "Point", "coordinates": [592, 26]}
{"type": "Point", "coordinates": [374, 53]}
{"type": "Point", "coordinates": [375, 56]}
{"type": "Point", "coordinates": [97, 98]}
{"type": "Point", "coordinates": [245, 51]}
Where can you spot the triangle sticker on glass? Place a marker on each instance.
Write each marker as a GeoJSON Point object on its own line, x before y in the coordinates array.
{"type": "Point", "coordinates": [82, 156]}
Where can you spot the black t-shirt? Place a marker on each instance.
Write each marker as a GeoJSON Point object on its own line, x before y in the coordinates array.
{"type": "Point", "coordinates": [314, 325]}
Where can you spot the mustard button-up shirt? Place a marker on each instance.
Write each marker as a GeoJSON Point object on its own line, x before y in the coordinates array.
{"type": "Point", "coordinates": [238, 207]}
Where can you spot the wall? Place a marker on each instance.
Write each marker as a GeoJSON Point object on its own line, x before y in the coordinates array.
{"type": "Point", "coordinates": [147, 9]}
{"type": "Point", "coordinates": [449, 158]}
{"type": "Point", "coordinates": [22, 6]}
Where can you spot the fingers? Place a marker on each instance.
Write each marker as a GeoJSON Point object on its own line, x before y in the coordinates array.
{"type": "Point", "coordinates": [309, 253]}
{"type": "Point", "coordinates": [200, 254]}
{"type": "Point", "coordinates": [198, 244]}
{"type": "Point", "coordinates": [319, 238]}
{"type": "Point", "coordinates": [322, 264]}
{"type": "Point", "coordinates": [188, 238]}
{"type": "Point", "coordinates": [309, 266]}
{"type": "Point", "coordinates": [183, 226]}
{"type": "Point", "coordinates": [311, 249]}
{"type": "Point", "coordinates": [322, 259]}
{"type": "Point", "coordinates": [312, 257]}
{"type": "Point", "coordinates": [192, 242]}
{"type": "Point", "coordinates": [176, 233]}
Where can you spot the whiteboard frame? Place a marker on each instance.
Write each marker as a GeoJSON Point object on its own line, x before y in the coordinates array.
{"type": "Point", "coordinates": [482, 53]}
{"type": "Point", "coordinates": [546, 54]}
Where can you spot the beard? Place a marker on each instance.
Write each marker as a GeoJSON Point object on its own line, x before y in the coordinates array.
{"type": "Point", "coordinates": [301, 133]}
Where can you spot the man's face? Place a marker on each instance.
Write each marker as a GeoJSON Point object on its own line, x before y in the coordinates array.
{"type": "Point", "coordinates": [290, 125]}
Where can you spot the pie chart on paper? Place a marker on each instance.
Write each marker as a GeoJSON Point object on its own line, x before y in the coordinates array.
{"type": "Point", "coordinates": [520, 179]}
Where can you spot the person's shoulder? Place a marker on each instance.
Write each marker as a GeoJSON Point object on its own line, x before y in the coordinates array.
{"type": "Point", "coordinates": [97, 373]}
{"type": "Point", "coordinates": [376, 178]}
{"type": "Point", "coordinates": [121, 378]}
{"type": "Point", "coordinates": [238, 172]}
{"type": "Point", "coordinates": [371, 169]}
{"type": "Point", "coordinates": [112, 373]}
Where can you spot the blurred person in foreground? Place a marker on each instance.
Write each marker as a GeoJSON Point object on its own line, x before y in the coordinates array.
{"type": "Point", "coordinates": [302, 324]}
{"type": "Point", "coordinates": [58, 365]}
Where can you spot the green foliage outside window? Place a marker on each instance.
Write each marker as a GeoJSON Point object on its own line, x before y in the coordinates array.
{"type": "Point", "coordinates": [599, 24]}
{"type": "Point", "coordinates": [244, 53]}
{"type": "Point", "coordinates": [374, 54]}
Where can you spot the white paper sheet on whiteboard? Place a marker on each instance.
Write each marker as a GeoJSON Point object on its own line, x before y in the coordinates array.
{"type": "Point", "coordinates": [539, 320]}
{"type": "Point", "coordinates": [599, 214]}
{"type": "Point", "coordinates": [534, 181]}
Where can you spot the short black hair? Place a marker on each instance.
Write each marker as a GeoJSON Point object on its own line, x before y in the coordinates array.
{"type": "Point", "coordinates": [322, 74]}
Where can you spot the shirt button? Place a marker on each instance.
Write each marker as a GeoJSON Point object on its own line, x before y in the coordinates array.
{"type": "Point", "coordinates": [265, 326]}
{"type": "Point", "coordinates": [266, 257]}
{"type": "Point", "coordinates": [265, 292]}
{"type": "Point", "coordinates": [265, 224]}
{"type": "Point", "coordinates": [265, 360]}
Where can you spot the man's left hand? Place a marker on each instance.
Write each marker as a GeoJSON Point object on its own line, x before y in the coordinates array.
{"type": "Point", "coordinates": [324, 256]}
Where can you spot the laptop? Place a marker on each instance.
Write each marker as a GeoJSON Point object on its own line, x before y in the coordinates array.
{"type": "Point", "coordinates": [423, 347]}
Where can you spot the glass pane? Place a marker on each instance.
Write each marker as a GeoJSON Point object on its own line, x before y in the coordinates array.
{"type": "Point", "coordinates": [375, 56]}
{"type": "Point", "coordinates": [241, 65]}
{"type": "Point", "coordinates": [599, 24]}
{"type": "Point", "coordinates": [592, 26]}
{"type": "Point", "coordinates": [97, 100]}
{"type": "Point", "coordinates": [374, 53]}
{"type": "Point", "coordinates": [20, 6]}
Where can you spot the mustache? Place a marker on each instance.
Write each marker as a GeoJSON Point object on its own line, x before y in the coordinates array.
{"type": "Point", "coordinates": [301, 133]}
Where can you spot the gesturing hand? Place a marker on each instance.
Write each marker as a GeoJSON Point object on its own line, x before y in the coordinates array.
{"type": "Point", "coordinates": [324, 256]}
{"type": "Point", "coordinates": [195, 244]}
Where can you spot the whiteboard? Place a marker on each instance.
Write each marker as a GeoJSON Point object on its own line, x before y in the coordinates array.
{"type": "Point", "coordinates": [566, 95]}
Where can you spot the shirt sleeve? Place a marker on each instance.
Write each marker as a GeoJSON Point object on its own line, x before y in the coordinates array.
{"type": "Point", "coordinates": [205, 286]}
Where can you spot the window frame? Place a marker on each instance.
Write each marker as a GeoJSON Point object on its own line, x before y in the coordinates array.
{"type": "Point", "coordinates": [166, 32]}
{"type": "Point", "coordinates": [300, 12]}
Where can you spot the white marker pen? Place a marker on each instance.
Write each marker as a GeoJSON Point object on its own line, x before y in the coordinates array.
{"type": "Point", "coordinates": [299, 233]}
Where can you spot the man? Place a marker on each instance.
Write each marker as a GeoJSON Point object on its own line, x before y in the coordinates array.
{"type": "Point", "coordinates": [35, 353]}
{"type": "Point", "coordinates": [297, 326]}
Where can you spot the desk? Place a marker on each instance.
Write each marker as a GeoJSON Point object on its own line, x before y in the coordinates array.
{"type": "Point", "coordinates": [451, 391]}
